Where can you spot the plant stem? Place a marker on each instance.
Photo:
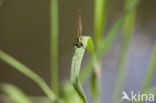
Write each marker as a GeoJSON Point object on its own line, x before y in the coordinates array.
{"type": "Point", "coordinates": [107, 41]}
{"type": "Point", "coordinates": [150, 71]}
{"type": "Point", "coordinates": [149, 75]}
{"type": "Point", "coordinates": [54, 45]}
{"type": "Point", "coordinates": [27, 71]}
{"type": "Point", "coordinates": [124, 52]}
{"type": "Point", "coordinates": [100, 20]}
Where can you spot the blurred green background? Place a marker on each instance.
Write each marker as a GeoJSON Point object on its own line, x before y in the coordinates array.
{"type": "Point", "coordinates": [25, 34]}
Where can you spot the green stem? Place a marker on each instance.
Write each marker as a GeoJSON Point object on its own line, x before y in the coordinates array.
{"type": "Point", "coordinates": [106, 44]}
{"type": "Point", "coordinates": [54, 46]}
{"type": "Point", "coordinates": [107, 41]}
{"type": "Point", "coordinates": [27, 71]}
{"type": "Point", "coordinates": [99, 25]}
{"type": "Point", "coordinates": [124, 55]}
{"type": "Point", "coordinates": [100, 19]}
{"type": "Point", "coordinates": [150, 71]}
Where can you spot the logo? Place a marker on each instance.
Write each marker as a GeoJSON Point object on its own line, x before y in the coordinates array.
{"type": "Point", "coordinates": [137, 97]}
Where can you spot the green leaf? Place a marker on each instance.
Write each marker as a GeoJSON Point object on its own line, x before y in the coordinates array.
{"type": "Point", "coordinates": [100, 19]}
{"type": "Point", "coordinates": [124, 50]}
{"type": "Point", "coordinates": [90, 46]}
{"type": "Point", "coordinates": [68, 93]}
{"type": "Point", "coordinates": [15, 93]}
{"type": "Point", "coordinates": [124, 56]}
{"type": "Point", "coordinates": [95, 87]}
{"type": "Point", "coordinates": [149, 75]}
{"type": "Point", "coordinates": [95, 76]}
{"type": "Point", "coordinates": [148, 91]}
{"type": "Point", "coordinates": [75, 67]}
{"type": "Point", "coordinates": [151, 91]}
{"type": "Point", "coordinates": [150, 71]}
{"type": "Point", "coordinates": [85, 72]}
{"type": "Point", "coordinates": [131, 4]}
{"type": "Point", "coordinates": [107, 41]}
{"type": "Point", "coordinates": [103, 48]}
{"type": "Point", "coordinates": [29, 73]}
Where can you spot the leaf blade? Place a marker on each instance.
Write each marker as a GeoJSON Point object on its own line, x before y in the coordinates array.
{"type": "Point", "coordinates": [15, 93]}
{"type": "Point", "coordinates": [75, 68]}
{"type": "Point", "coordinates": [150, 71]}
{"type": "Point", "coordinates": [29, 73]}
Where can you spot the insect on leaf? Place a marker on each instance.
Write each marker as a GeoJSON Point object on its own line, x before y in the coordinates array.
{"type": "Point", "coordinates": [75, 68]}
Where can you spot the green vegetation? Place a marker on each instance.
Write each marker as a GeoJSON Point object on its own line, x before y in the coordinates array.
{"type": "Point", "coordinates": [54, 45]}
{"type": "Point", "coordinates": [73, 91]}
{"type": "Point", "coordinates": [16, 94]}
{"type": "Point", "coordinates": [124, 52]}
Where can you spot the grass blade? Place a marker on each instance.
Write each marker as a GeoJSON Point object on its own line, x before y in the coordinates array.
{"type": "Point", "coordinates": [15, 93]}
{"type": "Point", "coordinates": [150, 71]}
{"type": "Point", "coordinates": [95, 87]}
{"type": "Point", "coordinates": [105, 45]}
{"type": "Point", "coordinates": [90, 46]}
{"type": "Point", "coordinates": [123, 58]}
{"type": "Point", "coordinates": [95, 76]}
{"type": "Point", "coordinates": [68, 93]}
{"type": "Point", "coordinates": [54, 45]}
{"type": "Point", "coordinates": [27, 71]}
{"type": "Point", "coordinates": [75, 68]}
{"type": "Point", "coordinates": [107, 41]}
{"type": "Point", "coordinates": [151, 91]}
{"type": "Point", "coordinates": [86, 70]}
{"type": "Point", "coordinates": [100, 19]}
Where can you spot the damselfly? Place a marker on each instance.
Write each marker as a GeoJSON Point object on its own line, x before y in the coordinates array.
{"type": "Point", "coordinates": [79, 43]}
